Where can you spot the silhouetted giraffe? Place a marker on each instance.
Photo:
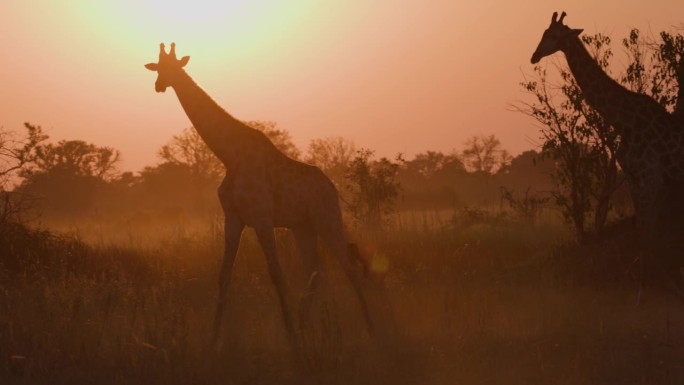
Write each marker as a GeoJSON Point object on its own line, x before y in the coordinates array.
{"type": "Point", "coordinates": [650, 151]}
{"type": "Point", "coordinates": [262, 189]}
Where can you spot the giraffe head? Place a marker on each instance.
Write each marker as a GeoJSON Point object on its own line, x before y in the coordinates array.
{"type": "Point", "coordinates": [167, 68]}
{"type": "Point", "coordinates": [554, 37]}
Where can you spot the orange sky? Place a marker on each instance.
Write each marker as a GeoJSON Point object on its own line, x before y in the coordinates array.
{"type": "Point", "coordinates": [392, 75]}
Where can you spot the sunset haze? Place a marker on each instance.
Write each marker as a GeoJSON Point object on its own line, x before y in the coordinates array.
{"type": "Point", "coordinates": [391, 76]}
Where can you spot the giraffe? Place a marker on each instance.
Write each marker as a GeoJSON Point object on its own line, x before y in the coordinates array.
{"type": "Point", "coordinates": [263, 189]}
{"type": "Point", "coordinates": [651, 149]}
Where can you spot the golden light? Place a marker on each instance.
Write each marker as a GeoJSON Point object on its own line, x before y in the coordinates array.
{"type": "Point", "coordinates": [238, 27]}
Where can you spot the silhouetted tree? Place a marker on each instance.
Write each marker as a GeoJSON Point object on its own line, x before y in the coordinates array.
{"type": "Point", "coordinates": [374, 188]}
{"type": "Point", "coordinates": [430, 180]}
{"type": "Point", "coordinates": [529, 169]}
{"type": "Point", "coordinates": [188, 148]}
{"type": "Point", "coordinates": [15, 154]}
{"type": "Point", "coordinates": [281, 138]}
{"type": "Point", "coordinates": [175, 186]}
{"type": "Point", "coordinates": [332, 155]}
{"type": "Point", "coordinates": [68, 175]}
{"type": "Point", "coordinates": [656, 68]}
{"type": "Point", "coordinates": [76, 157]}
{"type": "Point", "coordinates": [430, 163]}
{"type": "Point", "coordinates": [577, 138]}
{"type": "Point", "coordinates": [483, 153]}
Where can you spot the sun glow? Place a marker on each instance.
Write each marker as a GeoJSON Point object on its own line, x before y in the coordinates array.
{"type": "Point", "coordinates": [242, 28]}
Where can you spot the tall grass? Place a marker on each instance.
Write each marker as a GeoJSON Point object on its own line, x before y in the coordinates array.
{"type": "Point", "coordinates": [484, 303]}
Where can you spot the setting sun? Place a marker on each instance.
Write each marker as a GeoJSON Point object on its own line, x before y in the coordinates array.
{"type": "Point", "coordinates": [213, 28]}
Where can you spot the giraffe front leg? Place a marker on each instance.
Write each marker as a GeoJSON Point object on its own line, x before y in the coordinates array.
{"type": "Point", "coordinates": [233, 227]}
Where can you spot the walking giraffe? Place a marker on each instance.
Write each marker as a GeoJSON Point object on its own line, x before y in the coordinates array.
{"type": "Point", "coordinates": [263, 189]}
{"type": "Point", "coordinates": [651, 149]}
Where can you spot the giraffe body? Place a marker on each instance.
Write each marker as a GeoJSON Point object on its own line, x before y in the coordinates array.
{"type": "Point", "coordinates": [262, 189]}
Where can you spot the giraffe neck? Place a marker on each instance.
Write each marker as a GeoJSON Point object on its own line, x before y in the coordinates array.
{"type": "Point", "coordinates": [602, 92]}
{"type": "Point", "coordinates": [218, 128]}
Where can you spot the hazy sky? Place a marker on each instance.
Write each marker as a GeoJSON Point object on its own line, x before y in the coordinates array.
{"type": "Point", "coordinates": [392, 75]}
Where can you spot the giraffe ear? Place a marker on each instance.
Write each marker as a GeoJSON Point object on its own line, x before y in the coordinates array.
{"type": "Point", "coordinates": [151, 66]}
{"type": "Point", "coordinates": [184, 60]}
{"type": "Point", "coordinates": [576, 32]}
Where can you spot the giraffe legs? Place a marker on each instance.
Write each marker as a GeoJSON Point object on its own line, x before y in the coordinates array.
{"type": "Point", "coordinates": [306, 242]}
{"type": "Point", "coordinates": [266, 237]}
{"type": "Point", "coordinates": [233, 230]}
{"type": "Point", "coordinates": [343, 252]}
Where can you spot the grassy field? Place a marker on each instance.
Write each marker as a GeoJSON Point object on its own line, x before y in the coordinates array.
{"type": "Point", "coordinates": [495, 302]}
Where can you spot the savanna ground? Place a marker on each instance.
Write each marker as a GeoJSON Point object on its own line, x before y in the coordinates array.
{"type": "Point", "coordinates": [487, 302]}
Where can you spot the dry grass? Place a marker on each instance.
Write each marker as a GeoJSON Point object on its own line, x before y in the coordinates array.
{"type": "Point", "coordinates": [485, 304]}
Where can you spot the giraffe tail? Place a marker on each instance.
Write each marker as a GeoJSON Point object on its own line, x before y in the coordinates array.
{"type": "Point", "coordinates": [355, 255]}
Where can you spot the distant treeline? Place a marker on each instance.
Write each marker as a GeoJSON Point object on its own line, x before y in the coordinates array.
{"type": "Point", "coordinates": [73, 179]}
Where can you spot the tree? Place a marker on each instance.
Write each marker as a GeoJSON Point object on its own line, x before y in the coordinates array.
{"type": "Point", "coordinates": [332, 155]}
{"type": "Point", "coordinates": [577, 138]}
{"type": "Point", "coordinates": [189, 149]}
{"type": "Point", "coordinates": [68, 175]}
{"type": "Point", "coordinates": [429, 181]}
{"type": "Point", "coordinates": [281, 138]}
{"type": "Point", "coordinates": [484, 154]}
{"type": "Point", "coordinates": [527, 169]}
{"type": "Point", "coordinates": [656, 68]}
{"type": "Point", "coordinates": [15, 153]}
{"type": "Point", "coordinates": [430, 163]}
{"type": "Point", "coordinates": [175, 186]}
{"type": "Point", "coordinates": [74, 156]}
{"type": "Point", "coordinates": [374, 188]}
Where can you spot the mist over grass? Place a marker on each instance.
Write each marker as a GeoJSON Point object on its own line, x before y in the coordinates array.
{"type": "Point", "coordinates": [479, 303]}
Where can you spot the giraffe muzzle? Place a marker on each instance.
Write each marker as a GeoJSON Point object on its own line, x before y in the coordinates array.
{"type": "Point", "coordinates": [535, 58]}
{"type": "Point", "coordinates": [159, 87]}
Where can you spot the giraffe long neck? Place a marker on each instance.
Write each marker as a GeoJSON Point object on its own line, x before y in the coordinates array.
{"type": "Point", "coordinates": [218, 128]}
{"type": "Point", "coordinates": [602, 92]}
{"type": "Point", "coordinates": [638, 118]}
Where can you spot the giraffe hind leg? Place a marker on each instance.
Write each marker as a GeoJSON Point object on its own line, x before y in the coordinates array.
{"type": "Point", "coordinates": [344, 252]}
{"type": "Point", "coordinates": [233, 232]}
{"type": "Point", "coordinates": [306, 239]}
{"type": "Point", "coordinates": [354, 253]}
{"type": "Point", "coordinates": [266, 238]}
